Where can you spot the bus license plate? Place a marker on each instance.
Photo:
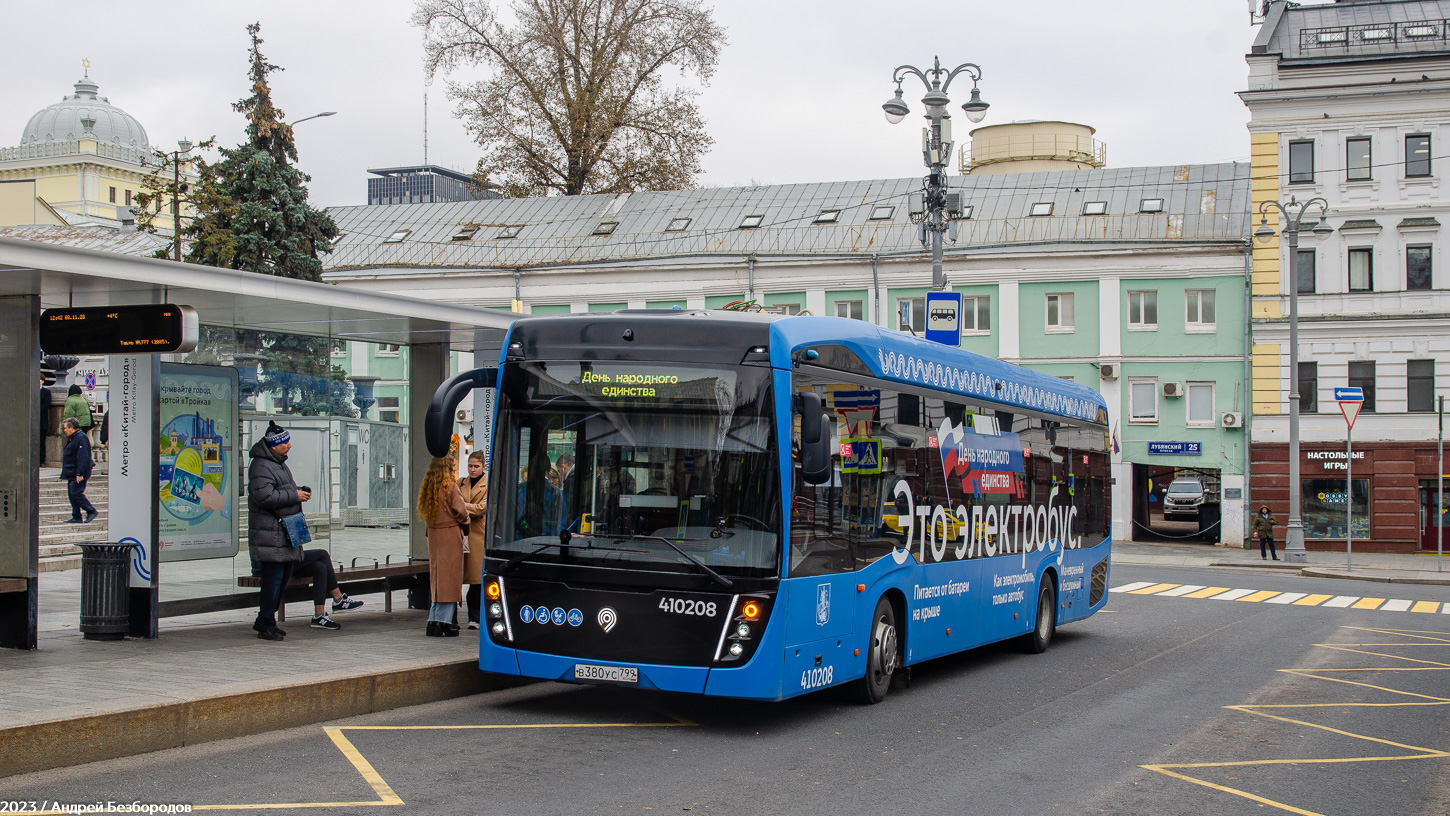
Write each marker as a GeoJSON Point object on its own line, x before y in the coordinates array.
{"type": "Point", "coordinates": [609, 674]}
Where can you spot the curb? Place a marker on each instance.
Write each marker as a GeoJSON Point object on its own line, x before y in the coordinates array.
{"type": "Point", "coordinates": [1382, 579]}
{"type": "Point", "coordinates": [1270, 565]}
{"type": "Point", "coordinates": [111, 735]}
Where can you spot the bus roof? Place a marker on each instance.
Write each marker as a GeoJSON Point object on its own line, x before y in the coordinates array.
{"type": "Point", "coordinates": [892, 355]}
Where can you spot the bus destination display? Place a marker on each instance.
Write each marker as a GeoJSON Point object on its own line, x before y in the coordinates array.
{"type": "Point", "coordinates": [144, 329]}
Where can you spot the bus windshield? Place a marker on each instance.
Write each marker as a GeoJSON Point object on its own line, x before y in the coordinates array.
{"type": "Point", "coordinates": [637, 462]}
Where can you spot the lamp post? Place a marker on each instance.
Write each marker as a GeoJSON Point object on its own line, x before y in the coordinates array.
{"type": "Point", "coordinates": [176, 192]}
{"type": "Point", "coordinates": [1292, 214]}
{"type": "Point", "coordinates": [314, 116]}
{"type": "Point", "coordinates": [934, 208]}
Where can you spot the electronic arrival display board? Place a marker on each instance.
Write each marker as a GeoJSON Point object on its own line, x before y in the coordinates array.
{"type": "Point", "coordinates": [145, 329]}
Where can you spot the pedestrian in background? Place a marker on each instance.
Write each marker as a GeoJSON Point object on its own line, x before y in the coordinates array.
{"type": "Point", "coordinates": [77, 408]}
{"type": "Point", "coordinates": [1264, 528]}
{"type": "Point", "coordinates": [75, 470]}
{"type": "Point", "coordinates": [45, 401]}
{"type": "Point", "coordinates": [474, 488]}
{"type": "Point", "coordinates": [272, 494]}
{"type": "Point", "coordinates": [440, 506]}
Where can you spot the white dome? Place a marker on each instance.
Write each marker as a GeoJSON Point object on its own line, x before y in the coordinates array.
{"type": "Point", "coordinates": [62, 122]}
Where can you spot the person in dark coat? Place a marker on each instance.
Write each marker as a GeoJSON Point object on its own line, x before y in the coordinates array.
{"type": "Point", "coordinates": [75, 470]}
{"type": "Point", "coordinates": [1264, 528]}
{"type": "Point", "coordinates": [45, 401]}
{"type": "Point", "coordinates": [272, 494]}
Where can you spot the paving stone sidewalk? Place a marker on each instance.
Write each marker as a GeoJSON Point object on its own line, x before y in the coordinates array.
{"type": "Point", "coordinates": [1419, 568]}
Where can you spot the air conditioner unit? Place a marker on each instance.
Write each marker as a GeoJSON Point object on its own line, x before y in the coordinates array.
{"type": "Point", "coordinates": [465, 414]}
{"type": "Point", "coordinates": [1108, 371]}
{"type": "Point", "coordinates": [1233, 419]}
{"type": "Point", "coordinates": [1172, 389]}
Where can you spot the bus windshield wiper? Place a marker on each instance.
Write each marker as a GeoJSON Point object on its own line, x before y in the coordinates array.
{"type": "Point", "coordinates": [563, 543]}
{"type": "Point", "coordinates": [719, 579]}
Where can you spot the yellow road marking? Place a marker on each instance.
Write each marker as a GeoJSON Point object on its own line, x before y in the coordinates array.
{"type": "Point", "coordinates": [1315, 674]}
{"type": "Point", "coordinates": [1149, 590]}
{"type": "Point", "coordinates": [536, 725]}
{"type": "Point", "coordinates": [1206, 593]}
{"type": "Point", "coordinates": [1426, 606]}
{"type": "Point", "coordinates": [1368, 603]}
{"type": "Point", "coordinates": [1260, 596]}
{"type": "Point", "coordinates": [1312, 600]}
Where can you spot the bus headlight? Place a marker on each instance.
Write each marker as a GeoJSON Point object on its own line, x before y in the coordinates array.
{"type": "Point", "coordinates": [743, 630]}
{"type": "Point", "coordinates": [497, 628]}
{"type": "Point", "coordinates": [736, 649]}
{"type": "Point", "coordinates": [495, 610]}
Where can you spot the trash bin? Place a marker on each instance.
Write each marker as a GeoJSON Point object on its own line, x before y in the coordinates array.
{"type": "Point", "coordinates": [105, 590]}
{"type": "Point", "coordinates": [1210, 516]}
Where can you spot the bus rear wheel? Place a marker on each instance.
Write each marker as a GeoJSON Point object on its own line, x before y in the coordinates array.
{"type": "Point", "coordinates": [1037, 641]}
{"type": "Point", "coordinates": [883, 653]}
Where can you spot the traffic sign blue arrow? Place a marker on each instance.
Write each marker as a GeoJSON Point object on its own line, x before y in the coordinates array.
{"type": "Point", "coordinates": [1349, 394]}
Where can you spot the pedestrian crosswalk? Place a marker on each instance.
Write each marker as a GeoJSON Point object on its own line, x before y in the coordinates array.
{"type": "Point", "coordinates": [1270, 596]}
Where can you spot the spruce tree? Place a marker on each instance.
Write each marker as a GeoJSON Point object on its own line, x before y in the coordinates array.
{"type": "Point", "coordinates": [253, 212]}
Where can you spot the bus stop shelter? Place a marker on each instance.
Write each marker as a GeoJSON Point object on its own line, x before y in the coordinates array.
{"type": "Point", "coordinates": [36, 276]}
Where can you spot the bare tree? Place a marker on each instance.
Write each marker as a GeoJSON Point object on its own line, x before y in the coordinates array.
{"type": "Point", "coordinates": [577, 102]}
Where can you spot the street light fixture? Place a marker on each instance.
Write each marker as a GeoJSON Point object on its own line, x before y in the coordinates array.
{"type": "Point", "coordinates": [1293, 215]}
{"type": "Point", "coordinates": [314, 116]}
{"type": "Point", "coordinates": [937, 146]}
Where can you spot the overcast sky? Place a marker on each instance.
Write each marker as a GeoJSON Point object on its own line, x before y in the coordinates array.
{"type": "Point", "coordinates": [797, 96]}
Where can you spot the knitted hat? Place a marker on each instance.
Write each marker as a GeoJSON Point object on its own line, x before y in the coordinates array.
{"type": "Point", "coordinates": [276, 435]}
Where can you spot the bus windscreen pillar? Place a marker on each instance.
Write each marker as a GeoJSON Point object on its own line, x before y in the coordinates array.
{"type": "Point", "coordinates": [19, 474]}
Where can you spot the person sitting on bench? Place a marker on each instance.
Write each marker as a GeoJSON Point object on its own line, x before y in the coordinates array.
{"type": "Point", "coordinates": [317, 564]}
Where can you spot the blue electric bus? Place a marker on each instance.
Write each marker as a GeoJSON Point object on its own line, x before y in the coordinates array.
{"type": "Point", "coordinates": [760, 506]}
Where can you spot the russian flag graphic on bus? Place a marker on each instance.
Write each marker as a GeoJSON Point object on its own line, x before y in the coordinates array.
{"type": "Point", "coordinates": [982, 457]}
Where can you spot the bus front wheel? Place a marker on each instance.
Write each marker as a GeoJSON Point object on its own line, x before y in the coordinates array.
{"type": "Point", "coordinates": [883, 653]}
{"type": "Point", "coordinates": [1045, 626]}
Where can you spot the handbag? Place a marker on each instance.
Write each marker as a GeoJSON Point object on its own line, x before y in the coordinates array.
{"type": "Point", "coordinates": [295, 528]}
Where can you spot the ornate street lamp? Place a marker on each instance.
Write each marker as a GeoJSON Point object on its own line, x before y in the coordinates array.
{"type": "Point", "coordinates": [1292, 214]}
{"type": "Point", "coordinates": [934, 208]}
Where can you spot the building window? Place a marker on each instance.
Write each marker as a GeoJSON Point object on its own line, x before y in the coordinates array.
{"type": "Point", "coordinates": [678, 225]}
{"type": "Point", "coordinates": [1095, 208]}
{"type": "Point", "coordinates": [1202, 408]}
{"type": "Point", "coordinates": [1421, 385]}
{"type": "Point", "coordinates": [113, 195]}
{"type": "Point", "coordinates": [1361, 376]}
{"type": "Point", "coordinates": [828, 217]}
{"type": "Point", "coordinates": [1357, 162]}
{"type": "Point", "coordinates": [1143, 400]}
{"type": "Point", "coordinates": [1041, 208]}
{"type": "Point", "coordinates": [751, 221]}
{"type": "Point", "coordinates": [1202, 308]}
{"type": "Point", "coordinates": [1417, 156]}
{"type": "Point", "coordinates": [397, 236]}
{"type": "Point", "coordinates": [1301, 162]}
{"type": "Point", "coordinates": [387, 350]}
{"type": "Point", "coordinates": [606, 228]}
{"type": "Point", "coordinates": [1143, 311]}
{"type": "Point", "coordinates": [911, 312]}
{"type": "Point", "coordinates": [128, 198]}
{"type": "Point", "coordinates": [1304, 271]}
{"type": "Point", "coordinates": [1059, 312]}
{"type": "Point", "coordinates": [1361, 270]}
{"type": "Point", "coordinates": [783, 308]}
{"type": "Point", "coordinates": [1324, 502]}
{"type": "Point", "coordinates": [882, 212]}
{"type": "Point", "coordinates": [388, 410]}
{"type": "Point", "coordinates": [1417, 267]}
{"type": "Point", "coordinates": [465, 233]}
{"type": "Point", "coordinates": [849, 308]}
{"type": "Point", "coordinates": [1308, 388]}
{"type": "Point", "coordinates": [1150, 205]}
{"type": "Point", "coordinates": [339, 348]}
{"type": "Point", "coordinates": [511, 231]}
{"type": "Point", "coordinates": [976, 314]}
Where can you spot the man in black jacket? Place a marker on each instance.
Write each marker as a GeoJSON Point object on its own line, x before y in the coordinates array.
{"type": "Point", "coordinates": [75, 469]}
{"type": "Point", "coordinates": [272, 494]}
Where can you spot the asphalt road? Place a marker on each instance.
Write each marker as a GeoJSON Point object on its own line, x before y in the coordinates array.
{"type": "Point", "coordinates": [1161, 705]}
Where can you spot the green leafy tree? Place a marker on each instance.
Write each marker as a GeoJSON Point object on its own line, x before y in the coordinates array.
{"type": "Point", "coordinates": [252, 208]}
{"type": "Point", "coordinates": [577, 102]}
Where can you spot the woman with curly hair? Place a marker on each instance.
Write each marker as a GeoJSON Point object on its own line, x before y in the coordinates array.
{"type": "Point", "coordinates": [441, 507]}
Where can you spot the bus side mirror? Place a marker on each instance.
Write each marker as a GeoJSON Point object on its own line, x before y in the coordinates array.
{"type": "Point", "coordinates": [438, 422]}
{"type": "Point", "coordinates": [815, 441]}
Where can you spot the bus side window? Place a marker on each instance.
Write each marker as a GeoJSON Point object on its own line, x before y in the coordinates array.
{"type": "Point", "coordinates": [819, 539]}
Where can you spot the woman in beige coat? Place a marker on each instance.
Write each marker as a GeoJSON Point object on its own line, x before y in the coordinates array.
{"type": "Point", "coordinates": [440, 505]}
{"type": "Point", "coordinates": [474, 488]}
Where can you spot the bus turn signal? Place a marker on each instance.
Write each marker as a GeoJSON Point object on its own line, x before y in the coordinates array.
{"type": "Point", "coordinates": [492, 590]}
{"type": "Point", "coordinates": [750, 611]}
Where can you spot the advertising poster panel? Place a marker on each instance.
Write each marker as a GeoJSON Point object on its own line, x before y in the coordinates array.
{"type": "Point", "coordinates": [197, 462]}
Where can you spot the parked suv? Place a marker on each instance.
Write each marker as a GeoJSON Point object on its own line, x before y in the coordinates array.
{"type": "Point", "coordinates": [1184, 499]}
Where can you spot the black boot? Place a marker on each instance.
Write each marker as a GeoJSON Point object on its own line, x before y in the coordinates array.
{"type": "Point", "coordinates": [435, 629]}
{"type": "Point", "coordinates": [450, 629]}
